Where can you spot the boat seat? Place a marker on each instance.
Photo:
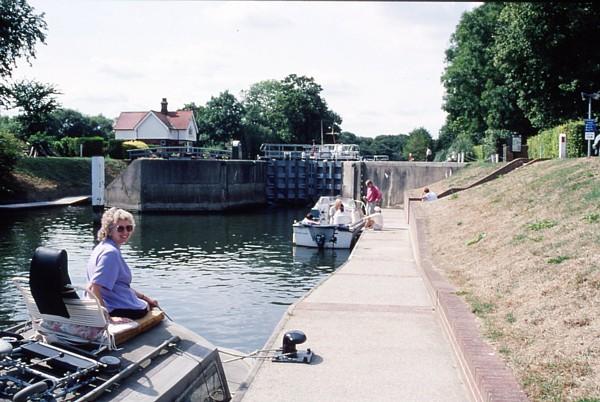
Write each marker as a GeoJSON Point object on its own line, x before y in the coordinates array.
{"type": "Point", "coordinates": [59, 315]}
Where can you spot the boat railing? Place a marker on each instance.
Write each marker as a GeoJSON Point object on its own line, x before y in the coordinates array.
{"type": "Point", "coordinates": [307, 151]}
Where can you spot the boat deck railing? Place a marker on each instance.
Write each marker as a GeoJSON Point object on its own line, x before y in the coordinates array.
{"type": "Point", "coordinates": [348, 152]}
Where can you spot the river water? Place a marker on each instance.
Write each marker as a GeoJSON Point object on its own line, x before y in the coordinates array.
{"type": "Point", "coordinates": [227, 277]}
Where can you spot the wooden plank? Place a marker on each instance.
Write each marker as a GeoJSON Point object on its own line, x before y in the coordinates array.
{"type": "Point", "coordinates": [42, 204]}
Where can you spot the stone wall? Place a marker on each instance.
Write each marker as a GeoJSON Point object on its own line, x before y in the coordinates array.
{"type": "Point", "coordinates": [188, 185]}
{"type": "Point", "coordinates": [393, 178]}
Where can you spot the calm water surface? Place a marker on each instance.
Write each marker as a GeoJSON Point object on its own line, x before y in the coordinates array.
{"type": "Point", "coordinates": [228, 277]}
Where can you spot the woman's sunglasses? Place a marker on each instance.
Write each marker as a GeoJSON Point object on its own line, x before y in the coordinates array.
{"type": "Point", "coordinates": [121, 229]}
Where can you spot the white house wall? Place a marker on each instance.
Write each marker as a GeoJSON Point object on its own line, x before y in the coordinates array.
{"type": "Point", "coordinates": [125, 135]}
{"type": "Point", "coordinates": [152, 129]}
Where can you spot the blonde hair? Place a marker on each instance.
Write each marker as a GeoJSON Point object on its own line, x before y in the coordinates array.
{"type": "Point", "coordinates": [110, 218]}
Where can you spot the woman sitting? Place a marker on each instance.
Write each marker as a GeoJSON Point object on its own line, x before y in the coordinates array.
{"type": "Point", "coordinates": [109, 275]}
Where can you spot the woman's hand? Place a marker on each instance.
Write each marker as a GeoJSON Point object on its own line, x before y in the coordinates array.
{"type": "Point", "coordinates": [119, 320]}
{"type": "Point", "coordinates": [151, 302]}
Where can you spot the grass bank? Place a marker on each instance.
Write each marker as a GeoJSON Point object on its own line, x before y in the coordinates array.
{"type": "Point", "coordinates": [524, 250]}
{"type": "Point", "coordinates": [42, 179]}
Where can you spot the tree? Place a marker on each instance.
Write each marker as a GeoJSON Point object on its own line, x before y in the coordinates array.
{"type": "Point", "coordinates": [292, 110]}
{"type": "Point", "coordinates": [63, 123]}
{"type": "Point", "coordinates": [543, 50]}
{"type": "Point", "coordinates": [419, 140]}
{"type": "Point", "coordinates": [36, 102]}
{"type": "Point", "coordinates": [469, 72]}
{"type": "Point", "coordinates": [220, 121]}
{"type": "Point", "coordinates": [304, 109]}
{"type": "Point", "coordinates": [20, 29]}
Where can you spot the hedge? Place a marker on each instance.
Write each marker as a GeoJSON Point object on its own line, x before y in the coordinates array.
{"type": "Point", "coordinates": [545, 144]}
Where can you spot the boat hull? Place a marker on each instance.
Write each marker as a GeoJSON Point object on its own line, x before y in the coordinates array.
{"type": "Point", "coordinates": [323, 236]}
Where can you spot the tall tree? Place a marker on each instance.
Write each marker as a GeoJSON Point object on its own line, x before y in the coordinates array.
{"type": "Point", "coordinates": [36, 102]}
{"type": "Point", "coordinates": [220, 121]}
{"type": "Point", "coordinates": [418, 141]}
{"type": "Point", "coordinates": [292, 109]}
{"type": "Point", "coordinates": [71, 123]}
{"type": "Point", "coordinates": [469, 73]}
{"type": "Point", "coordinates": [547, 53]}
{"type": "Point", "coordinates": [20, 29]}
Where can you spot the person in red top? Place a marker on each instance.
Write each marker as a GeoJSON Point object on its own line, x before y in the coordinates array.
{"type": "Point", "coordinates": [373, 196]}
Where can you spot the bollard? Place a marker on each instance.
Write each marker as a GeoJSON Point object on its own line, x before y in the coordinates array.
{"type": "Point", "coordinates": [562, 146]}
{"type": "Point", "coordinates": [97, 187]}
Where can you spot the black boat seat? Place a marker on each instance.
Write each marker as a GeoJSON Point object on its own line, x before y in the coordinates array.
{"type": "Point", "coordinates": [49, 281]}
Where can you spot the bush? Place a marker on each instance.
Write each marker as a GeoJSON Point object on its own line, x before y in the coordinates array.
{"type": "Point", "coordinates": [130, 145]}
{"type": "Point", "coordinates": [115, 149]}
{"type": "Point", "coordinates": [10, 152]}
{"type": "Point", "coordinates": [67, 146]}
{"type": "Point", "coordinates": [545, 144]}
{"type": "Point", "coordinates": [92, 146]}
{"type": "Point", "coordinates": [478, 152]}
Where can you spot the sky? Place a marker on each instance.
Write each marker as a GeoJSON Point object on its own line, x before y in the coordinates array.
{"type": "Point", "coordinates": [379, 63]}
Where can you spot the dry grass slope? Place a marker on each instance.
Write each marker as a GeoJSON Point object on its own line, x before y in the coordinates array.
{"type": "Point", "coordinates": [524, 250]}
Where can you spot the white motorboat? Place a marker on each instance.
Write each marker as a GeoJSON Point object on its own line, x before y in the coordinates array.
{"type": "Point", "coordinates": [326, 230]}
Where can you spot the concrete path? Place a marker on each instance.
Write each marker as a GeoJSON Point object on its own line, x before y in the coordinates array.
{"type": "Point", "coordinates": [373, 329]}
{"type": "Point", "coordinates": [42, 204]}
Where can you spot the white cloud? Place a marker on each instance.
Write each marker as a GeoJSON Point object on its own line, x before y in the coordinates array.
{"type": "Point", "coordinates": [379, 63]}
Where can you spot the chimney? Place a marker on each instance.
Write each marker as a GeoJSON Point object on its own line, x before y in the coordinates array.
{"type": "Point", "coordinates": [163, 106]}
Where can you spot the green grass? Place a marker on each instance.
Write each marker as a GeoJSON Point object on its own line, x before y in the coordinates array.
{"type": "Point", "coordinates": [558, 260]}
{"type": "Point", "coordinates": [480, 236]}
{"type": "Point", "coordinates": [592, 217]}
{"type": "Point", "coordinates": [72, 171]}
{"type": "Point", "coordinates": [478, 307]}
{"type": "Point", "coordinates": [510, 318]}
{"type": "Point", "coordinates": [541, 225]}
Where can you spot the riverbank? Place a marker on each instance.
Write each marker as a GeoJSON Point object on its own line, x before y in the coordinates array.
{"type": "Point", "coordinates": [523, 252]}
{"type": "Point", "coordinates": [46, 179]}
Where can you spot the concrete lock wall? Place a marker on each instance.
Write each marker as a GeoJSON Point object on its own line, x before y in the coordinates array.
{"type": "Point", "coordinates": [393, 178]}
{"type": "Point", "coordinates": [188, 185]}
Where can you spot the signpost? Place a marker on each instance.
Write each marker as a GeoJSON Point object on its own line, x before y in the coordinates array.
{"type": "Point", "coordinates": [590, 124]}
{"type": "Point", "coordinates": [590, 129]}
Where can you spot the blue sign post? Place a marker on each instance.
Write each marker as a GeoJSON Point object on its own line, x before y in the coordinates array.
{"type": "Point", "coordinates": [590, 129]}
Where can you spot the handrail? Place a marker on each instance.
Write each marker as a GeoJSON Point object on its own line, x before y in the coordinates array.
{"type": "Point", "coordinates": [174, 152]}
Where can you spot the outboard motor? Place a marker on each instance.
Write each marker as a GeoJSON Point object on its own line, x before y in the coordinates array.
{"type": "Point", "coordinates": [289, 353]}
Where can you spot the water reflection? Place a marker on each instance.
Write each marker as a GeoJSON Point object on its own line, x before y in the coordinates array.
{"type": "Point", "coordinates": [227, 277]}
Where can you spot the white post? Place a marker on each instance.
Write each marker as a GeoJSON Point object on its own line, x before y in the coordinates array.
{"type": "Point", "coordinates": [562, 146]}
{"type": "Point", "coordinates": [97, 182]}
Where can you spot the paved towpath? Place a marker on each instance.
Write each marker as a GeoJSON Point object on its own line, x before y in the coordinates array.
{"type": "Point", "coordinates": [373, 329]}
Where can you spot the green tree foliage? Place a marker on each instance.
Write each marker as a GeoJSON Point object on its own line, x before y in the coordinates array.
{"type": "Point", "coordinates": [36, 101]}
{"type": "Point", "coordinates": [10, 151]}
{"type": "Point", "coordinates": [71, 123]}
{"type": "Point", "coordinates": [418, 141]}
{"type": "Point", "coordinates": [290, 110]}
{"type": "Point", "coordinates": [20, 29]}
{"type": "Point", "coordinates": [220, 121]}
{"type": "Point", "coordinates": [547, 55]}
{"type": "Point", "coordinates": [518, 67]}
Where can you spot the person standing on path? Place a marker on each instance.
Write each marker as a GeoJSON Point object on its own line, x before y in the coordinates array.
{"type": "Point", "coordinates": [373, 196]}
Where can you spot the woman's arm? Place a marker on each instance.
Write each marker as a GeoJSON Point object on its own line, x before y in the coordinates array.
{"type": "Point", "coordinates": [151, 302]}
{"type": "Point", "coordinates": [95, 290]}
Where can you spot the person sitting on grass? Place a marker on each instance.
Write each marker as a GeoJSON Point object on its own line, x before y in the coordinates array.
{"type": "Point", "coordinates": [428, 195]}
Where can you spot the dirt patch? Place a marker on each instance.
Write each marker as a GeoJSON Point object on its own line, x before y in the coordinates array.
{"type": "Point", "coordinates": [524, 250]}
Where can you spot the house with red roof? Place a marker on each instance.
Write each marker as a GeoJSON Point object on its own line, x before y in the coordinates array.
{"type": "Point", "coordinates": [158, 128]}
